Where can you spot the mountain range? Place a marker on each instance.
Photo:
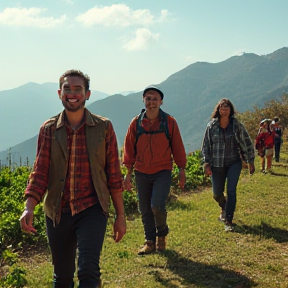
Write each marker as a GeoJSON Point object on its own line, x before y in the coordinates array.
{"type": "Point", "coordinates": [190, 95]}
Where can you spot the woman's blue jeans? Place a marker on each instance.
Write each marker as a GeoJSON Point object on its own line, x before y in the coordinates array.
{"type": "Point", "coordinates": [219, 176]}
{"type": "Point", "coordinates": [84, 231]}
{"type": "Point", "coordinates": [153, 190]}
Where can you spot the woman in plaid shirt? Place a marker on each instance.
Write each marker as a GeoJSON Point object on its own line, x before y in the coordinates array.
{"type": "Point", "coordinates": [226, 143]}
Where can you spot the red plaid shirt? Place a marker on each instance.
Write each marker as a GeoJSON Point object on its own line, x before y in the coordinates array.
{"type": "Point", "coordinates": [79, 192]}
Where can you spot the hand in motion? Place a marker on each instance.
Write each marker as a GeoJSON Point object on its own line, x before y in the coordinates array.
{"type": "Point", "coordinates": [182, 178]}
{"type": "Point", "coordinates": [128, 182]}
{"type": "Point", "coordinates": [252, 168]}
{"type": "Point", "coordinates": [26, 222]}
{"type": "Point", "coordinates": [207, 169]}
{"type": "Point", "coordinates": [119, 228]}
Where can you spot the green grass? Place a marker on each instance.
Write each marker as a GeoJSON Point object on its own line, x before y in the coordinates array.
{"type": "Point", "coordinates": [200, 253]}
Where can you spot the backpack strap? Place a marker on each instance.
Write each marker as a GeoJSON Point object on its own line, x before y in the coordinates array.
{"type": "Point", "coordinates": [163, 128]}
{"type": "Point", "coordinates": [164, 125]}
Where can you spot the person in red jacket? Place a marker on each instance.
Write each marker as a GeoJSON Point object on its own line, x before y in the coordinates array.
{"type": "Point", "coordinates": [265, 144]}
{"type": "Point", "coordinates": [152, 142]}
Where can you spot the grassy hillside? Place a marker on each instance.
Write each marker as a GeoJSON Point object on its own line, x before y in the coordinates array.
{"type": "Point", "coordinates": [200, 253]}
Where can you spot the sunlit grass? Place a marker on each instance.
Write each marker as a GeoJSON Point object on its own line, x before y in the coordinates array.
{"type": "Point", "coordinates": [200, 253]}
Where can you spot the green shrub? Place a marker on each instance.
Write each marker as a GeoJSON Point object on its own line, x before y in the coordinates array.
{"type": "Point", "coordinates": [14, 279]}
{"type": "Point", "coordinates": [130, 202]}
{"type": "Point", "coordinates": [8, 257]}
{"type": "Point", "coordinates": [12, 187]}
{"type": "Point", "coordinates": [194, 172]}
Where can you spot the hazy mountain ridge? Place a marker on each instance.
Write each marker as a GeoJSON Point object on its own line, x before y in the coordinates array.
{"type": "Point", "coordinates": [24, 108]}
{"type": "Point", "coordinates": [192, 93]}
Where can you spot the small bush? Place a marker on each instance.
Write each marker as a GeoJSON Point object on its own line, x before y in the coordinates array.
{"type": "Point", "coordinates": [14, 279]}
{"type": "Point", "coordinates": [194, 173]}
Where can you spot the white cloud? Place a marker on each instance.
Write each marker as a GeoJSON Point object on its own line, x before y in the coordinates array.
{"type": "Point", "coordinates": [164, 15]}
{"type": "Point", "coordinates": [69, 2]}
{"type": "Point", "coordinates": [119, 15]}
{"type": "Point", "coordinates": [28, 17]}
{"type": "Point", "coordinates": [143, 38]}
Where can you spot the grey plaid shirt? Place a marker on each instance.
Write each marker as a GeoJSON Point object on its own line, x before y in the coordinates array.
{"type": "Point", "coordinates": [222, 147]}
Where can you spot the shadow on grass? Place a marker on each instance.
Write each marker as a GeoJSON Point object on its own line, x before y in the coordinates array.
{"type": "Point", "coordinates": [278, 174]}
{"type": "Point", "coordinates": [265, 231]}
{"type": "Point", "coordinates": [202, 275]}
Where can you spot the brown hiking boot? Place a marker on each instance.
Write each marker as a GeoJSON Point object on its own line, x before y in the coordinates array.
{"type": "Point", "coordinates": [222, 216]}
{"type": "Point", "coordinates": [148, 248]}
{"type": "Point", "coordinates": [161, 243]}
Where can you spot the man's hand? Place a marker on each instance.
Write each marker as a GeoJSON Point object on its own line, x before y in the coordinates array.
{"type": "Point", "coordinates": [207, 169]}
{"type": "Point", "coordinates": [128, 182]}
{"type": "Point", "coordinates": [26, 219]}
{"type": "Point", "coordinates": [251, 168]}
{"type": "Point", "coordinates": [26, 222]}
{"type": "Point", "coordinates": [119, 228]}
{"type": "Point", "coordinates": [182, 178]}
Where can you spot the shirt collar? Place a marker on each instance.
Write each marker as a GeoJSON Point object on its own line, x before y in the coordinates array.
{"type": "Point", "coordinates": [88, 119]}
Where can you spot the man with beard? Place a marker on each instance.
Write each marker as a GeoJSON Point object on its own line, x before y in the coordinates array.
{"type": "Point", "coordinates": [77, 168]}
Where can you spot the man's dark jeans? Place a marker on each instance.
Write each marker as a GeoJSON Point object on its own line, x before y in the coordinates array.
{"type": "Point", "coordinates": [84, 231]}
{"type": "Point", "coordinates": [219, 176]}
{"type": "Point", "coordinates": [153, 190]}
{"type": "Point", "coordinates": [277, 146]}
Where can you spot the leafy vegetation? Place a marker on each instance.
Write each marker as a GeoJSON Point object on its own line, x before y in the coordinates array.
{"type": "Point", "coordinates": [276, 107]}
{"type": "Point", "coordinates": [12, 240]}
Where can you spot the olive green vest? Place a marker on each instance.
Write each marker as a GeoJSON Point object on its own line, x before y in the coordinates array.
{"type": "Point", "coordinates": [96, 129]}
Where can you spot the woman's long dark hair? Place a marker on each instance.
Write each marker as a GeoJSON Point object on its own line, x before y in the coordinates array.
{"type": "Point", "coordinates": [216, 113]}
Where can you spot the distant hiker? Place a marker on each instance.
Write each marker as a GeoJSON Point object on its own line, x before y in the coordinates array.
{"type": "Point", "coordinates": [278, 138]}
{"type": "Point", "coordinates": [226, 142]}
{"type": "Point", "coordinates": [77, 163]}
{"type": "Point", "coordinates": [265, 144]}
{"type": "Point", "coordinates": [151, 144]}
{"type": "Point", "coordinates": [260, 146]}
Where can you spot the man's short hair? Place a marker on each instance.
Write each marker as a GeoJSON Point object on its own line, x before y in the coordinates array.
{"type": "Point", "coordinates": [77, 73]}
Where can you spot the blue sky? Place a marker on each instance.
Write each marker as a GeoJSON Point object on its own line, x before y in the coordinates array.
{"type": "Point", "coordinates": [127, 45]}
